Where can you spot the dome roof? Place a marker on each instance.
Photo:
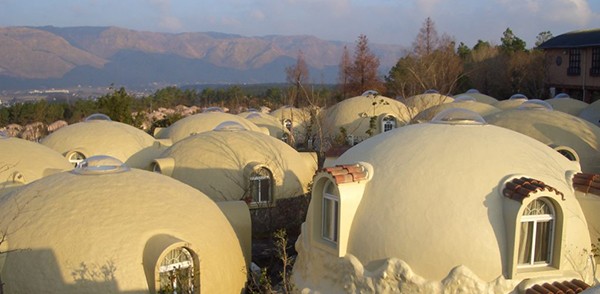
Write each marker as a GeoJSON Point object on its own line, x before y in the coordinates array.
{"type": "Point", "coordinates": [82, 232]}
{"type": "Point", "coordinates": [592, 113]}
{"type": "Point", "coordinates": [299, 121]}
{"type": "Point", "coordinates": [23, 161]}
{"type": "Point", "coordinates": [439, 184]}
{"type": "Point", "coordinates": [482, 109]}
{"type": "Point", "coordinates": [298, 115]}
{"type": "Point", "coordinates": [423, 101]}
{"type": "Point", "coordinates": [567, 105]}
{"type": "Point", "coordinates": [219, 163]}
{"type": "Point", "coordinates": [479, 97]}
{"type": "Point", "coordinates": [104, 137]}
{"type": "Point", "coordinates": [202, 122]}
{"type": "Point", "coordinates": [463, 198]}
{"type": "Point", "coordinates": [354, 114]}
{"type": "Point", "coordinates": [512, 102]}
{"type": "Point", "coordinates": [555, 128]}
{"type": "Point", "coordinates": [269, 122]}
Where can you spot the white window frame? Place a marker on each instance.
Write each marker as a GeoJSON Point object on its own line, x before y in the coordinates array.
{"type": "Point", "coordinates": [332, 233]}
{"type": "Point", "coordinates": [388, 121]}
{"type": "Point", "coordinates": [287, 123]}
{"type": "Point", "coordinates": [256, 179]}
{"type": "Point", "coordinates": [536, 219]}
{"type": "Point", "coordinates": [173, 262]}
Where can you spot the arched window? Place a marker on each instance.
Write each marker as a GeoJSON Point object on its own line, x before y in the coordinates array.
{"type": "Point", "coordinates": [177, 272]}
{"type": "Point", "coordinates": [568, 154]}
{"type": "Point", "coordinates": [331, 211]}
{"type": "Point", "coordinates": [287, 123]}
{"type": "Point", "coordinates": [537, 232]}
{"type": "Point", "coordinates": [388, 123]}
{"type": "Point", "coordinates": [261, 186]}
{"type": "Point", "coordinates": [155, 167]}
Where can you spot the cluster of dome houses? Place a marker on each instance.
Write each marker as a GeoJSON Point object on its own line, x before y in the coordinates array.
{"type": "Point", "coordinates": [430, 194]}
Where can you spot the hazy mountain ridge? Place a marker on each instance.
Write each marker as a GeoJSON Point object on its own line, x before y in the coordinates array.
{"type": "Point", "coordinates": [97, 55]}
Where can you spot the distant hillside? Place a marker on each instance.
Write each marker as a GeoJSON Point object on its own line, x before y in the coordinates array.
{"type": "Point", "coordinates": [32, 57]}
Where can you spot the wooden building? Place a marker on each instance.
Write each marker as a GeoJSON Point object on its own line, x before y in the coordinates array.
{"type": "Point", "coordinates": [573, 64]}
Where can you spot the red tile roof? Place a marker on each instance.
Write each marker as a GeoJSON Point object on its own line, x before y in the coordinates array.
{"type": "Point", "coordinates": [565, 287]}
{"type": "Point", "coordinates": [520, 188]}
{"type": "Point", "coordinates": [347, 173]}
{"type": "Point", "coordinates": [587, 183]}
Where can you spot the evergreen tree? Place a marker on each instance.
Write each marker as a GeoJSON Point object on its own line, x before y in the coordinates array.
{"type": "Point", "coordinates": [511, 43]}
{"type": "Point", "coordinates": [117, 105]}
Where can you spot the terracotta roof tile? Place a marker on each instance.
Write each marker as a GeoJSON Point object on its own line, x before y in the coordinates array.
{"type": "Point", "coordinates": [587, 183]}
{"type": "Point", "coordinates": [564, 287]}
{"type": "Point", "coordinates": [347, 173]}
{"type": "Point", "coordinates": [520, 188]}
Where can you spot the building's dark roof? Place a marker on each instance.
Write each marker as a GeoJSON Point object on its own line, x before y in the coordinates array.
{"type": "Point", "coordinates": [584, 38]}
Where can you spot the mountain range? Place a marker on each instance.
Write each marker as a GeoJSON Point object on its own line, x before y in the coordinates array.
{"type": "Point", "coordinates": [54, 57]}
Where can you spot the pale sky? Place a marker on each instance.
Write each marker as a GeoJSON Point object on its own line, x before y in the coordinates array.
{"type": "Point", "coordinates": [382, 21]}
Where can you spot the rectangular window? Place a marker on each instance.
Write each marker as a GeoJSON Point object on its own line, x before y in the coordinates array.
{"type": "Point", "coordinates": [261, 188]}
{"type": "Point", "coordinates": [595, 69]}
{"type": "Point", "coordinates": [535, 246]}
{"type": "Point", "coordinates": [574, 68]}
{"type": "Point", "coordinates": [330, 218]}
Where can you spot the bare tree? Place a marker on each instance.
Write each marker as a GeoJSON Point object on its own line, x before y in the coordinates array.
{"type": "Point", "coordinates": [344, 72]}
{"type": "Point", "coordinates": [297, 75]}
{"type": "Point", "coordinates": [433, 63]}
{"type": "Point", "coordinates": [427, 40]}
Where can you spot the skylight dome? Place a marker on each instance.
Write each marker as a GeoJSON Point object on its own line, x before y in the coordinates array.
{"type": "Point", "coordinates": [213, 109]}
{"type": "Point", "coordinates": [253, 115]}
{"type": "Point", "coordinates": [518, 96]}
{"type": "Point", "coordinates": [100, 164]}
{"type": "Point", "coordinates": [98, 116]}
{"type": "Point", "coordinates": [472, 91]}
{"type": "Point", "coordinates": [562, 95]}
{"type": "Point", "coordinates": [432, 91]}
{"type": "Point", "coordinates": [369, 92]}
{"type": "Point", "coordinates": [535, 104]}
{"type": "Point", "coordinates": [230, 126]}
{"type": "Point", "coordinates": [463, 98]}
{"type": "Point", "coordinates": [458, 116]}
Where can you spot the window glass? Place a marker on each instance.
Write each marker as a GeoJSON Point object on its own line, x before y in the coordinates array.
{"type": "Point", "coordinates": [176, 272]}
{"type": "Point", "coordinates": [260, 186]}
{"type": "Point", "coordinates": [389, 123]}
{"type": "Point", "coordinates": [574, 68]}
{"type": "Point", "coordinates": [536, 234]}
{"type": "Point", "coordinates": [595, 68]}
{"type": "Point", "coordinates": [330, 207]}
{"type": "Point", "coordinates": [287, 124]}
